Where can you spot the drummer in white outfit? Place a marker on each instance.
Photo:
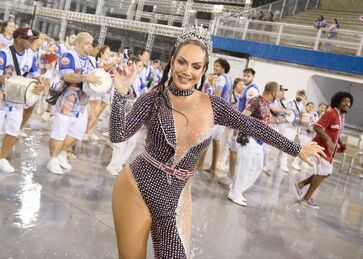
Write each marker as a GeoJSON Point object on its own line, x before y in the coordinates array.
{"type": "Point", "coordinates": [99, 102]}
{"type": "Point", "coordinates": [296, 107]}
{"type": "Point", "coordinates": [70, 119]}
{"type": "Point", "coordinates": [23, 38]}
{"type": "Point", "coordinates": [122, 151]}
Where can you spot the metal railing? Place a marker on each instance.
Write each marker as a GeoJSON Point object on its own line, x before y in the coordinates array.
{"type": "Point", "coordinates": [279, 9]}
{"type": "Point", "coordinates": [293, 35]}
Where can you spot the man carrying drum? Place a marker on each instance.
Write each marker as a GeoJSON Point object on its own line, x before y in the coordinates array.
{"type": "Point", "coordinates": [70, 118]}
{"type": "Point", "coordinates": [22, 64]}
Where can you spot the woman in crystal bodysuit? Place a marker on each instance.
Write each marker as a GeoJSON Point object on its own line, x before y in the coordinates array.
{"type": "Point", "coordinates": [153, 193]}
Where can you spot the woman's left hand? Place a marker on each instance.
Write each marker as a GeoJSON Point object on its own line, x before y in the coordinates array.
{"type": "Point", "coordinates": [311, 149]}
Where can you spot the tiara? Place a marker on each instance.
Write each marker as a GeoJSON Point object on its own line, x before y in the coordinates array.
{"type": "Point", "coordinates": [197, 33]}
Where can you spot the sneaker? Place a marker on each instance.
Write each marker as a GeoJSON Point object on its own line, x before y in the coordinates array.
{"type": "Point", "coordinates": [297, 191]}
{"type": "Point", "coordinates": [53, 166]}
{"type": "Point", "coordinates": [310, 203]}
{"type": "Point", "coordinates": [296, 166]}
{"type": "Point", "coordinates": [361, 176]}
{"type": "Point", "coordinates": [284, 169]}
{"type": "Point", "coordinates": [94, 137]}
{"type": "Point", "coordinates": [23, 134]}
{"type": "Point", "coordinates": [112, 171]}
{"type": "Point", "coordinates": [46, 116]}
{"type": "Point", "coordinates": [239, 201]}
{"type": "Point", "coordinates": [5, 166]}
{"type": "Point", "coordinates": [63, 161]}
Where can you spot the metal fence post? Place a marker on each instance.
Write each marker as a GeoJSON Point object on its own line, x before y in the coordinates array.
{"type": "Point", "coordinates": [279, 35]}
{"type": "Point", "coordinates": [295, 7]}
{"type": "Point", "coordinates": [245, 30]}
{"type": "Point", "coordinates": [269, 8]}
{"type": "Point", "coordinates": [307, 4]}
{"type": "Point", "coordinates": [317, 4]}
{"type": "Point", "coordinates": [318, 36]}
{"type": "Point", "coordinates": [360, 48]}
{"type": "Point", "coordinates": [282, 9]}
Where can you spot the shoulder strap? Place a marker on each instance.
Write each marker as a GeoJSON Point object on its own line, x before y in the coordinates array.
{"type": "Point", "coordinates": [15, 60]}
{"type": "Point", "coordinates": [297, 107]}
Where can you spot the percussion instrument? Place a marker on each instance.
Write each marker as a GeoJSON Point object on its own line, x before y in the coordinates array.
{"type": "Point", "coordinates": [104, 87]}
{"type": "Point", "coordinates": [292, 117]}
{"type": "Point", "coordinates": [19, 92]}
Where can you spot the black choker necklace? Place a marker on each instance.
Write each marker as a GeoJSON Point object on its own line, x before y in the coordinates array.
{"type": "Point", "coordinates": [178, 92]}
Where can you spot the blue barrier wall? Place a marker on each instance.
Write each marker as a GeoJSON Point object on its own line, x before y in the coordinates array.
{"type": "Point", "coordinates": [319, 59]}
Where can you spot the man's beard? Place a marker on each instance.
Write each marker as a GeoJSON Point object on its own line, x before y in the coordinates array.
{"type": "Point", "coordinates": [298, 99]}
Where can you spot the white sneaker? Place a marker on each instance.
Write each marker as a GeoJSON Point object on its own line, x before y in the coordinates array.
{"type": "Point", "coordinates": [46, 116]}
{"type": "Point", "coordinates": [296, 166]}
{"type": "Point", "coordinates": [63, 161]}
{"type": "Point", "coordinates": [94, 137]}
{"type": "Point", "coordinates": [361, 176]}
{"type": "Point", "coordinates": [53, 166]}
{"type": "Point", "coordinates": [5, 166]}
{"type": "Point", "coordinates": [113, 172]}
{"type": "Point", "coordinates": [285, 169]}
{"type": "Point", "coordinates": [239, 201]}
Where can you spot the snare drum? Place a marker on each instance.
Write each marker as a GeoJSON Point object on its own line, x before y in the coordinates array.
{"type": "Point", "coordinates": [19, 92]}
{"type": "Point", "coordinates": [103, 88]}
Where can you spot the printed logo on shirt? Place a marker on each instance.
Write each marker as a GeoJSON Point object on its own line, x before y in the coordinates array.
{"type": "Point", "coordinates": [2, 61]}
{"type": "Point", "coordinates": [65, 61]}
{"type": "Point", "coordinates": [26, 69]}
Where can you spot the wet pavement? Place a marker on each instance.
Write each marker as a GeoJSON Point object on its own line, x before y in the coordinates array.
{"type": "Point", "coordinates": [43, 215]}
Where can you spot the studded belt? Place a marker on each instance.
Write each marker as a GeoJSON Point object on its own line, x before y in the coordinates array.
{"type": "Point", "coordinates": [181, 174]}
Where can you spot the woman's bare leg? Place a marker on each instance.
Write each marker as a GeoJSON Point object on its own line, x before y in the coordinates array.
{"type": "Point", "coordinates": [131, 217]}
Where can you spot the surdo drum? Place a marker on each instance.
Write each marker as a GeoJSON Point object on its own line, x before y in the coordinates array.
{"type": "Point", "coordinates": [104, 87]}
{"type": "Point", "coordinates": [19, 92]}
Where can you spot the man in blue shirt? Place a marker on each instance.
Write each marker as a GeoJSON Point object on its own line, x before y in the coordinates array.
{"type": "Point", "coordinates": [15, 113]}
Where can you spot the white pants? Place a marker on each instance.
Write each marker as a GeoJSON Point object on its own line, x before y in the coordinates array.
{"type": "Point", "coordinates": [290, 133]}
{"type": "Point", "coordinates": [64, 125]}
{"type": "Point", "coordinates": [122, 151]}
{"type": "Point", "coordinates": [303, 139]}
{"type": "Point", "coordinates": [250, 164]}
{"type": "Point", "coordinates": [12, 120]}
{"type": "Point", "coordinates": [267, 148]}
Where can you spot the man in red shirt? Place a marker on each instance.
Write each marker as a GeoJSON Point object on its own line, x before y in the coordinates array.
{"type": "Point", "coordinates": [328, 130]}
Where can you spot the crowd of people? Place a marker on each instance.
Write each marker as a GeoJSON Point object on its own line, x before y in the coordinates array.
{"type": "Point", "coordinates": [164, 102]}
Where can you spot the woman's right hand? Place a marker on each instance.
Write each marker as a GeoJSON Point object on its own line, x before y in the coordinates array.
{"type": "Point", "coordinates": [124, 78]}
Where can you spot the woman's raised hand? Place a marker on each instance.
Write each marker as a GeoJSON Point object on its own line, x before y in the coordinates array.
{"type": "Point", "coordinates": [124, 77]}
{"type": "Point", "coordinates": [311, 149]}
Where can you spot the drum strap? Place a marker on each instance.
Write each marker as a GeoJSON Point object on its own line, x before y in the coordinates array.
{"type": "Point", "coordinates": [15, 61]}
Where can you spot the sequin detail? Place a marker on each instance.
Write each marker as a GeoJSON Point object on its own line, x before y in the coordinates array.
{"type": "Point", "coordinates": [160, 195]}
{"type": "Point", "coordinates": [179, 92]}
